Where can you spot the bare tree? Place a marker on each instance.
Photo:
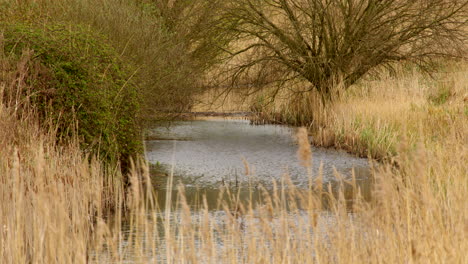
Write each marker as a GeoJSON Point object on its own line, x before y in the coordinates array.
{"type": "Point", "coordinates": [330, 42]}
{"type": "Point", "coordinates": [181, 48]}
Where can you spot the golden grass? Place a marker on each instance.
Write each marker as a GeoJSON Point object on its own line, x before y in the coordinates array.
{"type": "Point", "coordinates": [382, 114]}
{"type": "Point", "coordinates": [50, 195]}
{"type": "Point", "coordinates": [418, 215]}
{"type": "Point", "coordinates": [374, 116]}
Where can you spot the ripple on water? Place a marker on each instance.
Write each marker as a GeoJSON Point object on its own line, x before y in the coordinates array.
{"type": "Point", "coordinates": [209, 152]}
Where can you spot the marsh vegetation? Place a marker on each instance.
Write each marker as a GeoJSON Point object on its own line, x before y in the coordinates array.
{"type": "Point", "coordinates": [83, 82]}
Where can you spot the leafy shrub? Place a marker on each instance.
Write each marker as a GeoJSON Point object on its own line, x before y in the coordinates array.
{"type": "Point", "coordinates": [80, 84]}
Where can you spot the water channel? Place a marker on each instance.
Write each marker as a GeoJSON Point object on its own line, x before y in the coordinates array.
{"type": "Point", "coordinates": [208, 156]}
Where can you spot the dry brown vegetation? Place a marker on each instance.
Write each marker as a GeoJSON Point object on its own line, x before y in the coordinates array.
{"type": "Point", "coordinates": [50, 194]}
{"type": "Point", "coordinates": [376, 115]}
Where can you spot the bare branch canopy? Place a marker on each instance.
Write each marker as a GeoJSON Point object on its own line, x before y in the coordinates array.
{"type": "Point", "coordinates": [339, 41]}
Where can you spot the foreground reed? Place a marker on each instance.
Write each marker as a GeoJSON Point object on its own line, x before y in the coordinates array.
{"type": "Point", "coordinates": [51, 193]}
{"type": "Point", "coordinates": [417, 215]}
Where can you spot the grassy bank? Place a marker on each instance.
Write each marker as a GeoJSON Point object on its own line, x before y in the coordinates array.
{"type": "Point", "coordinates": [374, 117]}
{"type": "Point", "coordinates": [413, 108]}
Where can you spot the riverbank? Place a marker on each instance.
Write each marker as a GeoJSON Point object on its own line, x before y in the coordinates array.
{"type": "Point", "coordinates": [373, 118]}
{"type": "Point", "coordinates": [379, 118]}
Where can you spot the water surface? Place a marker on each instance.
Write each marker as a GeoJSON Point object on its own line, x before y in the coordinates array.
{"type": "Point", "coordinates": [207, 155]}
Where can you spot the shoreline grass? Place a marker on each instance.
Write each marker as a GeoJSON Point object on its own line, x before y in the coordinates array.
{"type": "Point", "coordinates": [374, 116]}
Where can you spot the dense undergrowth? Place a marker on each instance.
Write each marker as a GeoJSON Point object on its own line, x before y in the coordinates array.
{"type": "Point", "coordinates": [51, 192]}
{"type": "Point", "coordinates": [76, 82]}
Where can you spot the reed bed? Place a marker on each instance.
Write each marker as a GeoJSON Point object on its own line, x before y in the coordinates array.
{"type": "Point", "coordinates": [374, 116]}
{"type": "Point", "coordinates": [51, 193]}
{"type": "Point", "coordinates": [417, 215]}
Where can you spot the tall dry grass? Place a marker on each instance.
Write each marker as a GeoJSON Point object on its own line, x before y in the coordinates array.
{"type": "Point", "coordinates": [417, 215]}
{"type": "Point", "coordinates": [374, 116]}
{"type": "Point", "coordinates": [51, 194]}
{"type": "Point", "coordinates": [378, 115]}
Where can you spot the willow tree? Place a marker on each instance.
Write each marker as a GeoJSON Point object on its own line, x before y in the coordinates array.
{"type": "Point", "coordinates": [330, 42]}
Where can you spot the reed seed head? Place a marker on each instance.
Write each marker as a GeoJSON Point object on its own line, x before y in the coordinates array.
{"type": "Point", "coordinates": [304, 153]}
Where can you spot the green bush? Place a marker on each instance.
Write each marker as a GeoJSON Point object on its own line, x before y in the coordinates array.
{"type": "Point", "coordinates": [89, 90]}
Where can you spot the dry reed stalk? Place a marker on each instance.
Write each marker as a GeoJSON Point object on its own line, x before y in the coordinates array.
{"type": "Point", "coordinates": [304, 153]}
